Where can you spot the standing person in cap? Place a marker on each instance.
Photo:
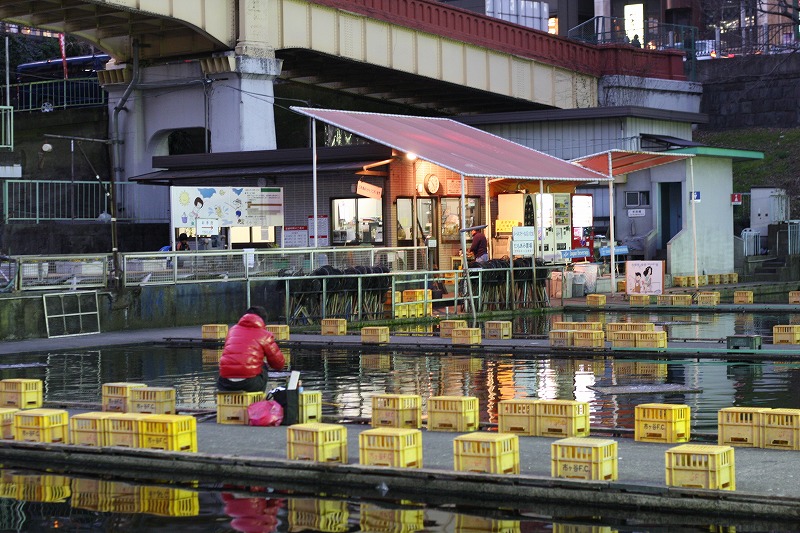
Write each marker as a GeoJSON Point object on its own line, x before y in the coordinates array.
{"type": "Point", "coordinates": [479, 248]}
{"type": "Point", "coordinates": [249, 351]}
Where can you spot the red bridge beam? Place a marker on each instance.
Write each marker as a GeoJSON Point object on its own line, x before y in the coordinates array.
{"type": "Point", "coordinates": [489, 32]}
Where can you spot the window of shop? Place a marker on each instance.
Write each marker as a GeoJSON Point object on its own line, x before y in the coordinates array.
{"type": "Point", "coordinates": [357, 221]}
{"type": "Point", "coordinates": [451, 216]}
{"type": "Point", "coordinates": [637, 199]}
{"type": "Point", "coordinates": [405, 222]}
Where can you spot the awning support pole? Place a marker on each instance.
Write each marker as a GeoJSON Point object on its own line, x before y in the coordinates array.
{"type": "Point", "coordinates": [611, 225]}
{"type": "Point", "coordinates": [694, 224]}
{"type": "Point", "coordinates": [314, 174]}
{"type": "Point", "coordinates": [464, 261]}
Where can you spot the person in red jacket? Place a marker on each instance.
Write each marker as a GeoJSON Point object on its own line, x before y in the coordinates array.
{"type": "Point", "coordinates": [249, 351]}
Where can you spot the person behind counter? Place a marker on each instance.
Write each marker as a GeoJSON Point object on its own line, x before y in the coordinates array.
{"type": "Point", "coordinates": [479, 248]}
{"type": "Point", "coordinates": [249, 351]}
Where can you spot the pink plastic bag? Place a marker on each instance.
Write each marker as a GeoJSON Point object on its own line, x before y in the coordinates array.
{"type": "Point", "coordinates": [265, 413]}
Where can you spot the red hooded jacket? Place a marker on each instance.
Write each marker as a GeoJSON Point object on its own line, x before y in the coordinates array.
{"type": "Point", "coordinates": [247, 345]}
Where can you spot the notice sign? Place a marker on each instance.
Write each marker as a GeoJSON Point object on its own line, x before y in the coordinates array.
{"type": "Point", "coordinates": [644, 277]}
{"type": "Point", "coordinates": [521, 247]}
{"type": "Point", "coordinates": [230, 206]}
{"type": "Point", "coordinates": [523, 233]}
{"type": "Point", "coordinates": [369, 190]}
{"type": "Point", "coordinates": [295, 236]}
{"type": "Point", "coordinates": [694, 196]}
{"type": "Point", "coordinates": [736, 198]}
{"type": "Point", "coordinates": [322, 226]}
{"type": "Point", "coordinates": [634, 213]}
{"type": "Point", "coordinates": [206, 227]}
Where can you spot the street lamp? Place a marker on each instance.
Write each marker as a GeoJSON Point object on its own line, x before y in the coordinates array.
{"type": "Point", "coordinates": [108, 190]}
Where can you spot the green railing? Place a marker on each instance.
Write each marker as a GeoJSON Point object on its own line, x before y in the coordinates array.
{"type": "Point", "coordinates": [46, 96]}
{"type": "Point", "coordinates": [6, 128]}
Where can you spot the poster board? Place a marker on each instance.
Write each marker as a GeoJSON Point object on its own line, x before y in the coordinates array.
{"type": "Point", "coordinates": [644, 277]}
{"type": "Point", "coordinates": [323, 226]}
{"type": "Point", "coordinates": [295, 236]}
{"type": "Point", "coordinates": [230, 206]}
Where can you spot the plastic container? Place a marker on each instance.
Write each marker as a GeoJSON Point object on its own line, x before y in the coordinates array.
{"type": "Point", "coordinates": [589, 271]}
{"type": "Point", "coordinates": [122, 429]}
{"type": "Point", "coordinates": [216, 332]}
{"type": "Point", "coordinates": [397, 447]}
{"type": "Point", "coordinates": [41, 425]}
{"type": "Point", "coordinates": [310, 403]}
{"type": "Point", "coordinates": [786, 334]}
{"type": "Point", "coordinates": [446, 327]}
{"type": "Point", "coordinates": [662, 422]}
{"type": "Point", "coordinates": [639, 300]}
{"type": "Point", "coordinates": [497, 329]}
{"type": "Point", "coordinates": [117, 396]}
{"type": "Point", "coordinates": [452, 413]}
{"type": "Point", "coordinates": [176, 433]}
{"type": "Point", "coordinates": [741, 426]}
{"type": "Point", "coordinates": [153, 400]}
{"type": "Point", "coordinates": [7, 422]}
{"type": "Point", "coordinates": [375, 335]}
{"type": "Point", "coordinates": [397, 411]}
{"type": "Point", "coordinates": [334, 326]}
{"type": "Point", "coordinates": [595, 300]}
{"type": "Point", "coordinates": [589, 339]}
{"type": "Point", "coordinates": [562, 418]}
{"type": "Point", "coordinates": [585, 458]}
{"type": "Point", "coordinates": [232, 406]}
{"type": "Point", "coordinates": [782, 429]}
{"type": "Point", "coordinates": [21, 393]}
{"type": "Point", "coordinates": [88, 429]}
{"type": "Point", "coordinates": [467, 336]}
{"type": "Point", "coordinates": [489, 453]}
{"type": "Point", "coordinates": [325, 443]}
{"type": "Point", "coordinates": [743, 297]}
{"type": "Point", "coordinates": [517, 416]}
{"type": "Point", "coordinates": [651, 339]}
{"type": "Point", "coordinates": [561, 338]}
{"type": "Point", "coordinates": [701, 467]}
{"type": "Point", "coordinates": [279, 331]}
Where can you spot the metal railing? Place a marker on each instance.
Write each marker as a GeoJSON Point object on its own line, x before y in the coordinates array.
{"type": "Point", "coordinates": [39, 200]}
{"type": "Point", "coordinates": [6, 128]}
{"type": "Point", "coordinates": [751, 40]}
{"type": "Point", "coordinates": [46, 96]}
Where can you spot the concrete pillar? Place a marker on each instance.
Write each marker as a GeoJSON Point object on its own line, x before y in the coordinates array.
{"type": "Point", "coordinates": [602, 8]}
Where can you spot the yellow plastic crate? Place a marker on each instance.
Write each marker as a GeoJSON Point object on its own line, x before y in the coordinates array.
{"type": "Point", "coordinates": [21, 393]}
{"type": "Point", "coordinates": [397, 411]}
{"type": "Point", "coordinates": [680, 281]}
{"type": "Point", "coordinates": [310, 403]}
{"type": "Point", "coordinates": [639, 300]}
{"type": "Point", "coordinates": [517, 416]}
{"type": "Point", "coordinates": [578, 326]}
{"type": "Point", "coordinates": [453, 413]}
{"type": "Point", "coordinates": [782, 429]}
{"type": "Point", "coordinates": [794, 297]}
{"type": "Point", "coordinates": [701, 280]}
{"type": "Point", "coordinates": [701, 466]}
{"type": "Point", "coordinates": [232, 406]}
{"type": "Point", "coordinates": [334, 326]}
{"type": "Point", "coordinates": [42, 488]}
{"type": "Point", "coordinates": [215, 332]}
{"type": "Point", "coordinates": [589, 339]}
{"type": "Point", "coordinates": [585, 458]}
{"type": "Point", "coordinates": [708, 299]}
{"type": "Point", "coordinates": [466, 336]}
{"type": "Point", "coordinates": [733, 277]}
{"type": "Point", "coordinates": [613, 327]}
{"type": "Point", "coordinates": [324, 443]}
{"type": "Point", "coordinates": [279, 331]}
{"type": "Point", "coordinates": [741, 426]}
{"type": "Point", "coordinates": [117, 396]}
{"type": "Point", "coordinates": [492, 453]}
{"type": "Point", "coordinates": [153, 400]}
{"type": "Point", "coordinates": [664, 299]}
{"type": "Point", "coordinates": [622, 339]}
{"type": "Point", "coordinates": [724, 278]}
{"type": "Point", "coordinates": [88, 429]}
{"type": "Point", "coordinates": [497, 329]}
{"type": "Point", "coordinates": [562, 418]}
{"type": "Point", "coordinates": [397, 447]}
{"type": "Point", "coordinates": [786, 334]}
{"type": "Point", "coordinates": [7, 422]}
{"type": "Point", "coordinates": [379, 520]}
{"type": "Point", "coordinates": [714, 279]}
{"type": "Point", "coordinates": [168, 501]}
{"type": "Point", "coordinates": [417, 295]}
{"type": "Point", "coordinates": [683, 300]}
{"type": "Point", "coordinates": [176, 433]}
{"type": "Point", "coordinates": [41, 425]}
{"type": "Point", "coordinates": [595, 300]}
{"type": "Point", "coordinates": [375, 335]}
{"type": "Point", "coordinates": [651, 339]}
{"type": "Point", "coordinates": [561, 338]}
{"type": "Point", "coordinates": [662, 422]}
{"type": "Point", "coordinates": [122, 429]}
{"type": "Point", "coordinates": [446, 327]}
{"type": "Point", "coordinates": [743, 297]}
{"type": "Point", "coordinates": [401, 310]}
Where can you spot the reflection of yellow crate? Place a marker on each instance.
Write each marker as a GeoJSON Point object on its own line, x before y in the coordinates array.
{"type": "Point", "coordinates": [375, 335]}
{"type": "Point", "coordinates": [122, 429]}
{"type": "Point", "coordinates": [232, 406]}
{"type": "Point", "coordinates": [562, 418]}
{"type": "Point", "coordinates": [786, 334]}
{"type": "Point", "coordinates": [117, 396]}
{"type": "Point", "coordinates": [701, 466]}
{"type": "Point", "coordinates": [782, 429]}
{"type": "Point", "coordinates": [561, 338]}
{"type": "Point", "coordinates": [120, 497]}
{"type": "Point", "coordinates": [279, 331]}
{"type": "Point", "coordinates": [651, 339]}
{"type": "Point", "coordinates": [462, 364]}
{"type": "Point", "coordinates": [42, 488]}
{"type": "Point", "coordinates": [491, 453]}
{"type": "Point", "coordinates": [446, 327]}
{"type": "Point", "coordinates": [397, 411]}
{"type": "Point", "coordinates": [317, 442]}
{"type": "Point", "coordinates": [708, 298]}
{"type": "Point", "coordinates": [397, 447]}
{"type": "Point", "coordinates": [379, 520]}
{"type": "Point", "coordinates": [88, 429]}
{"type": "Point", "coordinates": [575, 326]}
{"type": "Point", "coordinates": [176, 433]}
{"type": "Point", "coordinates": [657, 370]}
{"type": "Point", "coordinates": [452, 413]}
{"type": "Point", "coordinates": [310, 406]}
{"type": "Point", "coordinates": [7, 422]}
{"type": "Point", "coordinates": [334, 326]}
{"type": "Point", "coordinates": [741, 426]}
{"type": "Point", "coordinates": [662, 422]}
{"type": "Point", "coordinates": [466, 336]}
{"type": "Point", "coordinates": [211, 356]}
{"type": "Point", "coordinates": [318, 515]}
{"type": "Point", "coordinates": [639, 300]}
{"type": "Point", "coordinates": [589, 339]}
{"type": "Point", "coordinates": [168, 501]}
{"type": "Point", "coordinates": [21, 393]}
{"type": "Point", "coordinates": [216, 332]}
{"type": "Point", "coordinates": [41, 425]}
{"type": "Point", "coordinates": [517, 416]}
{"type": "Point", "coordinates": [376, 361]}
{"type": "Point", "coordinates": [477, 524]}
{"type": "Point", "coordinates": [585, 458]}
{"type": "Point", "coordinates": [595, 300]}
{"type": "Point", "coordinates": [153, 400]}
{"type": "Point", "coordinates": [497, 329]}
{"type": "Point", "coordinates": [743, 297]}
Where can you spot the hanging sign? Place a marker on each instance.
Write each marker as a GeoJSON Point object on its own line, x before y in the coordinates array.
{"type": "Point", "coordinates": [577, 252]}
{"type": "Point", "coordinates": [736, 198]}
{"type": "Point", "coordinates": [694, 196]}
{"type": "Point", "coordinates": [369, 190]}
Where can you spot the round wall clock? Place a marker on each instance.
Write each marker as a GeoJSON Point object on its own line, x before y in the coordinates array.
{"type": "Point", "coordinates": [432, 184]}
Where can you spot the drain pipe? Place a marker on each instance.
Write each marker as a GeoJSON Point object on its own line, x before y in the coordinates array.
{"type": "Point", "coordinates": [116, 175]}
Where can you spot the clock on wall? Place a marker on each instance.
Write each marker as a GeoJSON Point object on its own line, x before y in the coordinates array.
{"type": "Point", "coordinates": [431, 184]}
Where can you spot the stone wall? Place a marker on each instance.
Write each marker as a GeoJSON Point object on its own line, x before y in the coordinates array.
{"type": "Point", "coordinates": [751, 91]}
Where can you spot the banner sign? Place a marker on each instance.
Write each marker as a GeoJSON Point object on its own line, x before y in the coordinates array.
{"type": "Point", "coordinates": [577, 252]}
{"type": "Point", "coordinates": [369, 190]}
{"type": "Point", "coordinates": [605, 251]}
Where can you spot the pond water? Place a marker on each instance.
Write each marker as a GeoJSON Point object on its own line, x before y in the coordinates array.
{"type": "Point", "coordinates": [349, 379]}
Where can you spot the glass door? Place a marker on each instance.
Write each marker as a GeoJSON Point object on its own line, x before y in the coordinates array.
{"type": "Point", "coordinates": [428, 228]}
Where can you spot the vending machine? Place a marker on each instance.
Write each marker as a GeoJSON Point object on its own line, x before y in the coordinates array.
{"type": "Point", "coordinates": [517, 207]}
{"type": "Point", "coordinates": [544, 221]}
{"type": "Point", "coordinates": [562, 225]}
{"type": "Point", "coordinates": [582, 225]}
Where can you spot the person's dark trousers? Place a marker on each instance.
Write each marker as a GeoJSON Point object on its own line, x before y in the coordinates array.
{"type": "Point", "coordinates": [255, 384]}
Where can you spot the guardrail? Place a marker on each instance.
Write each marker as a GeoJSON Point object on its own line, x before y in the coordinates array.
{"type": "Point", "coordinates": [46, 96]}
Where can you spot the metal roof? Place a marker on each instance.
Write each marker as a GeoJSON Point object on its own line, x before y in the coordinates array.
{"type": "Point", "coordinates": [455, 146]}
{"type": "Point", "coordinates": [625, 161]}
